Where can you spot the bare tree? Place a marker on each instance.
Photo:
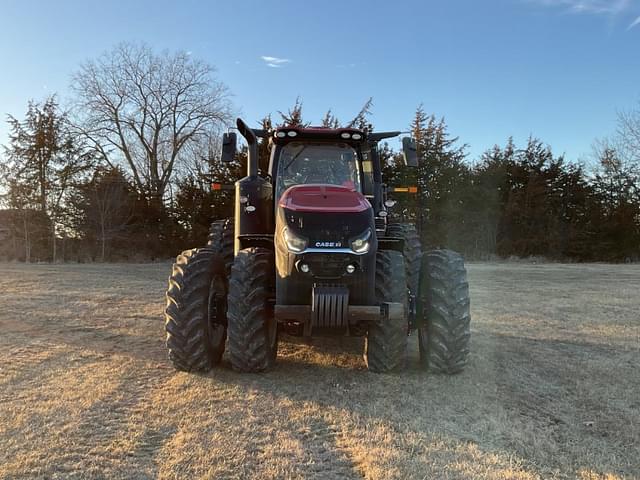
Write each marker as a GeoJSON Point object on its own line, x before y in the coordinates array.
{"type": "Point", "coordinates": [617, 169]}
{"type": "Point", "coordinates": [617, 173]}
{"type": "Point", "coordinates": [142, 110]}
{"type": "Point", "coordinates": [113, 208]}
{"type": "Point", "coordinates": [19, 198]}
{"type": "Point", "coordinates": [629, 134]}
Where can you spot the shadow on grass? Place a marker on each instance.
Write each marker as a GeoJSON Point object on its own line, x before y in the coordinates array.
{"type": "Point", "coordinates": [519, 398]}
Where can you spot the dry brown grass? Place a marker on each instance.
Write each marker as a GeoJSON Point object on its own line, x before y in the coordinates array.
{"type": "Point", "coordinates": [552, 390]}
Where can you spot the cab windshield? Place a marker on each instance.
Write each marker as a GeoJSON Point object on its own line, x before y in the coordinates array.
{"type": "Point", "coordinates": [304, 163]}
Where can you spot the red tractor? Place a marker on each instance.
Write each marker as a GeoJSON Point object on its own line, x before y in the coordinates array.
{"type": "Point", "coordinates": [310, 251]}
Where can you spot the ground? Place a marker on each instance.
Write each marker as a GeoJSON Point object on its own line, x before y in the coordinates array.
{"type": "Point", "coordinates": [551, 391]}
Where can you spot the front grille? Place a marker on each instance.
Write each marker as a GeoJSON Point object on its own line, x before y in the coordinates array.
{"type": "Point", "coordinates": [329, 265]}
{"type": "Point", "coordinates": [381, 224]}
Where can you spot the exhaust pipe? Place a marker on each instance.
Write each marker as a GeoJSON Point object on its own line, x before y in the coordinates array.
{"type": "Point", "coordinates": [252, 141]}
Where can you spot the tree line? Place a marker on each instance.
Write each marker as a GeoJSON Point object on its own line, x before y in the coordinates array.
{"type": "Point", "coordinates": [524, 200]}
{"type": "Point", "coordinates": [124, 172]}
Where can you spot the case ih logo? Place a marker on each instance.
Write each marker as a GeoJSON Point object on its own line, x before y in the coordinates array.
{"type": "Point", "coordinates": [328, 244]}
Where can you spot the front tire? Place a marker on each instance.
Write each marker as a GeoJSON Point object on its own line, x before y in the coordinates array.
{"type": "Point", "coordinates": [195, 315]}
{"type": "Point", "coordinates": [443, 300]}
{"type": "Point", "coordinates": [386, 342]}
{"type": "Point", "coordinates": [253, 332]}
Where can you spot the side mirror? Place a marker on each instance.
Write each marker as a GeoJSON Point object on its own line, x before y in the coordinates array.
{"type": "Point", "coordinates": [409, 152]}
{"type": "Point", "coordinates": [228, 147]}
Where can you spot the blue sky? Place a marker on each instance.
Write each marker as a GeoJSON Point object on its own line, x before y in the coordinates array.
{"type": "Point", "coordinates": [557, 69]}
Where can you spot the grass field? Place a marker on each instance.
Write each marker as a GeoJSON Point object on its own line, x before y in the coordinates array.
{"type": "Point", "coordinates": [552, 389]}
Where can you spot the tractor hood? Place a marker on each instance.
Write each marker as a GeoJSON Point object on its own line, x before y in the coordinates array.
{"type": "Point", "coordinates": [323, 198]}
{"type": "Point", "coordinates": [325, 228]}
{"type": "Point", "coordinates": [325, 216]}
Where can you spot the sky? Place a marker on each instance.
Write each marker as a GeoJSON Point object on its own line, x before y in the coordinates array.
{"type": "Point", "coordinates": [559, 70]}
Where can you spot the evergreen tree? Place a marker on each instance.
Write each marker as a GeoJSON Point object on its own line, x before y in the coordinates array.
{"type": "Point", "coordinates": [330, 120]}
{"type": "Point", "coordinates": [46, 159]}
{"type": "Point", "coordinates": [293, 117]}
{"type": "Point", "coordinates": [441, 177]}
{"type": "Point", "coordinates": [361, 120]}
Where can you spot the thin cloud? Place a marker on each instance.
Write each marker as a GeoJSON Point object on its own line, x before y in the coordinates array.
{"type": "Point", "coordinates": [275, 62]}
{"type": "Point", "coordinates": [635, 23]}
{"type": "Point", "coordinates": [598, 7]}
{"type": "Point", "coordinates": [611, 9]}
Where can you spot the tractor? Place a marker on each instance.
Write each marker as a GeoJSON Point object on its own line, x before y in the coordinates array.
{"type": "Point", "coordinates": [311, 251]}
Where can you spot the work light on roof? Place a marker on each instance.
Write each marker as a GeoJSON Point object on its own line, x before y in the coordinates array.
{"type": "Point", "coordinates": [345, 135]}
{"type": "Point", "coordinates": [356, 136]}
{"type": "Point", "coordinates": [281, 134]}
{"type": "Point", "coordinates": [292, 133]}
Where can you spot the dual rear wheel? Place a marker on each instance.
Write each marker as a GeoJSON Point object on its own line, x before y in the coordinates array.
{"type": "Point", "coordinates": [203, 308]}
{"type": "Point", "coordinates": [437, 283]}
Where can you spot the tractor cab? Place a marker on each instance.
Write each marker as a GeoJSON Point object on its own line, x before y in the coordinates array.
{"type": "Point", "coordinates": [317, 156]}
{"type": "Point", "coordinates": [302, 163]}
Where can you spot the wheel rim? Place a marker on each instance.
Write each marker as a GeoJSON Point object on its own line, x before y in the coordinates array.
{"type": "Point", "coordinates": [272, 332]}
{"type": "Point", "coordinates": [216, 310]}
{"type": "Point", "coordinates": [422, 340]}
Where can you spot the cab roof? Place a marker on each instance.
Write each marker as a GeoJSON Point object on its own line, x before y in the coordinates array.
{"type": "Point", "coordinates": [283, 135]}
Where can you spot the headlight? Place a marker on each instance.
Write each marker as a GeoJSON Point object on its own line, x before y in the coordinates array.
{"type": "Point", "coordinates": [295, 243]}
{"type": "Point", "coordinates": [361, 243]}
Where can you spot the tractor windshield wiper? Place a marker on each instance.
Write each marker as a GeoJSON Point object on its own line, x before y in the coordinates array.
{"type": "Point", "coordinates": [295, 157]}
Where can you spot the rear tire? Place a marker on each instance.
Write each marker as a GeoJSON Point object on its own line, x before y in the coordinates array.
{"type": "Point", "coordinates": [195, 315]}
{"type": "Point", "coordinates": [444, 302]}
{"type": "Point", "coordinates": [412, 252]}
{"type": "Point", "coordinates": [386, 342]}
{"type": "Point", "coordinates": [253, 331]}
{"type": "Point", "coordinates": [221, 236]}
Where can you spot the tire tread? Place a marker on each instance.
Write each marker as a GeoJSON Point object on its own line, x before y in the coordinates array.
{"type": "Point", "coordinates": [444, 298]}
{"type": "Point", "coordinates": [186, 311]}
{"type": "Point", "coordinates": [386, 343]}
{"type": "Point", "coordinates": [250, 287]}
